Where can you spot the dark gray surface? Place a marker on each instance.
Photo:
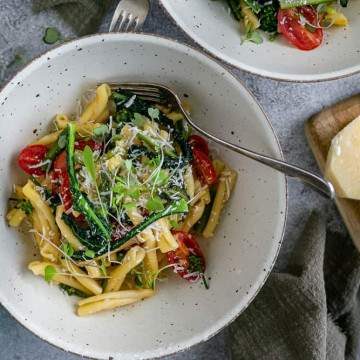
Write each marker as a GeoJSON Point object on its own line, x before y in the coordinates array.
{"type": "Point", "coordinates": [287, 105]}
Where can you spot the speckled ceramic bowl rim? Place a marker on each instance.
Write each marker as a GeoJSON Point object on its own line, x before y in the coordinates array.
{"type": "Point", "coordinates": [100, 36]}
{"type": "Point", "coordinates": [328, 76]}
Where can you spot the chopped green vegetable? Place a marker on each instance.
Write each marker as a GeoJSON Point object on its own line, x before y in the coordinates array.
{"type": "Point", "coordinates": [130, 205]}
{"type": "Point", "coordinates": [25, 205]}
{"type": "Point", "coordinates": [195, 265]}
{"type": "Point", "coordinates": [287, 4]}
{"type": "Point", "coordinates": [67, 249]}
{"type": "Point", "coordinates": [55, 149]}
{"type": "Point", "coordinates": [72, 291]}
{"type": "Point", "coordinates": [154, 113]}
{"type": "Point", "coordinates": [103, 267]}
{"type": "Point", "coordinates": [80, 201]}
{"type": "Point", "coordinates": [88, 159]}
{"type": "Point", "coordinates": [49, 273]}
{"type": "Point", "coordinates": [235, 8]}
{"type": "Point", "coordinates": [253, 36]}
{"type": "Point", "coordinates": [178, 207]}
{"type": "Point", "coordinates": [101, 130]}
{"type": "Point", "coordinates": [51, 36]}
{"type": "Point", "coordinates": [268, 17]}
{"type": "Point", "coordinates": [155, 204]}
{"type": "Point", "coordinates": [253, 5]}
{"type": "Point", "coordinates": [139, 120]}
{"type": "Point", "coordinates": [89, 253]}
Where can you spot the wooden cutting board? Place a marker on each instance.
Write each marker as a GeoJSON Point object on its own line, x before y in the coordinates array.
{"type": "Point", "coordinates": [319, 130]}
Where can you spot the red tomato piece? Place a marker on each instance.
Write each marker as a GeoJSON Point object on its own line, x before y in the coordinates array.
{"type": "Point", "coordinates": [204, 166]}
{"type": "Point", "coordinates": [30, 158]}
{"type": "Point", "coordinates": [61, 181]}
{"type": "Point", "coordinates": [199, 143]}
{"type": "Point", "coordinates": [188, 259]}
{"type": "Point", "coordinates": [291, 26]}
{"type": "Point", "coordinates": [94, 145]}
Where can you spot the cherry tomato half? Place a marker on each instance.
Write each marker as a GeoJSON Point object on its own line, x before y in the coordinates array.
{"type": "Point", "coordinates": [289, 24]}
{"type": "Point", "coordinates": [188, 258]}
{"type": "Point", "coordinates": [199, 143]}
{"type": "Point", "coordinates": [204, 166]}
{"type": "Point", "coordinates": [94, 145]}
{"type": "Point", "coordinates": [30, 158]}
{"type": "Point", "coordinates": [60, 180]}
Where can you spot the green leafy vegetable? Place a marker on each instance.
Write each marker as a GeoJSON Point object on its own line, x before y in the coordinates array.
{"type": "Point", "coordinates": [80, 201]}
{"type": "Point", "coordinates": [253, 36]}
{"type": "Point", "coordinates": [174, 224]}
{"type": "Point", "coordinates": [128, 165]}
{"type": "Point", "coordinates": [178, 207]}
{"type": "Point", "coordinates": [130, 205]}
{"type": "Point", "coordinates": [103, 267]}
{"type": "Point", "coordinates": [196, 265]}
{"type": "Point", "coordinates": [139, 120]}
{"type": "Point", "coordinates": [67, 249]}
{"type": "Point", "coordinates": [155, 204]}
{"type": "Point", "coordinates": [101, 130]}
{"type": "Point", "coordinates": [89, 253]}
{"type": "Point", "coordinates": [49, 273]}
{"type": "Point", "coordinates": [55, 149]}
{"type": "Point", "coordinates": [154, 113]}
{"type": "Point", "coordinates": [268, 17]}
{"type": "Point", "coordinates": [235, 8]}
{"type": "Point", "coordinates": [287, 4]}
{"type": "Point", "coordinates": [88, 159]}
{"type": "Point", "coordinates": [51, 36]}
{"type": "Point", "coordinates": [25, 205]}
{"type": "Point", "coordinates": [253, 5]}
{"type": "Point", "coordinates": [72, 291]}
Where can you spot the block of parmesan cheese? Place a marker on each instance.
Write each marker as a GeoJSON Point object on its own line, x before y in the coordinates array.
{"type": "Point", "coordinates": [343, 161]}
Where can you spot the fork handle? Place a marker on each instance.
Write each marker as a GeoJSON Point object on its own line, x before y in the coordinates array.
{"type": "Point", "coordinates": [321, 185]}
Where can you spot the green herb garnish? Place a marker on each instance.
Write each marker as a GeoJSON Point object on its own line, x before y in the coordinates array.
{"type": "Point", "coordinates": [88, 159]}
{"type": "Point", "coordinates": [72, 291]}
{"type": "Point", "coordinates": [51, 36]}
{"type": "Point", "coordinates": [25, 205]}
{"type": "Point", "coordinates": [154, 113]}
{"type": "Point", "coordinates": [253, 36]}
{"type": "Point", "coordinates": [101, 130]}
{"type": "Point", "coordinates": [89, 253]}
{"type": "Point", "coordinates": [138, 120]}
{"type": "Point", "coordinates": [154, 204]}
{"type": "Point", "coordinates": [49, 273]}
{"type": "Point", "coordinates": [67, 249]}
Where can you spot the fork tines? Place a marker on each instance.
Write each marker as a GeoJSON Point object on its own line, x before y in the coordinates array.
{"type": "Point", "coordinates": [145, 92]}
{"type": "Point", "coordinates": [124, 22]}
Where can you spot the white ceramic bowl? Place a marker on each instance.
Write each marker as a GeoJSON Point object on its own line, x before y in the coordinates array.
{"type": "Point", "coordinates": [209, 23]}
{"type": "Point", "coordinates": [239, 257]}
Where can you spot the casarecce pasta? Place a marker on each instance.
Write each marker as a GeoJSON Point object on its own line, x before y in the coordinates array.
{"type": "Point", "coordinates": [115, 197]}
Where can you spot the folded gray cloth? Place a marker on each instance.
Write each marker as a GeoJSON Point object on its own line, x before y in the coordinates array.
{"type": "Point", "coordinates": [83, 15]}
{"type": "Point", "coordinates": [310, 312]}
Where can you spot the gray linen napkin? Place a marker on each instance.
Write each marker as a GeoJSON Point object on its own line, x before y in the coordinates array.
{"type": "Point", "coordinates": [310, 312]}
{"type": "Point", "coordinates": [83, 15]}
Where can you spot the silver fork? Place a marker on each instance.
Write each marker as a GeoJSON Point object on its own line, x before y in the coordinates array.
{"type": "Point", "coordinates": [163, 95]}
{"type": "Point", "coordinates": [129, 15]}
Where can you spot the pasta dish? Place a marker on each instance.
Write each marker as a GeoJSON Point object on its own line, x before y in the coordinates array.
{"type": "Point", "coordinates": [115, 197]}
{"type": "Point", "coordinates": [302, 23]}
